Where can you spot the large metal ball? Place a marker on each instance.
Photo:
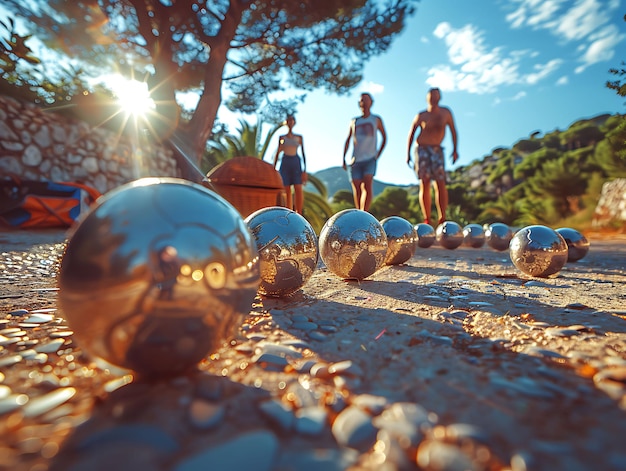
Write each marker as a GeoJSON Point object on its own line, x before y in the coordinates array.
{"type": "Point", "coordinates": [401, 239]}
{"type": "Point", "coordinates": [288, 251]}
{"type": "Point", "coordinates": [449, 235]}
{"type": "Point", "coordinates": [577, 244]}
{"type": "Point", "coordinates": [425, 235]}
{"type": "Point", "coordinates": [160, 273]}
{"type": "Point", "coordinates": [473, 236]}
{"type": "Point", "coordinates": [498, 235]}
{"type": "Point", "coordinates": [353, 244]}
{"type": "Point", "coordinates": [538, 251]}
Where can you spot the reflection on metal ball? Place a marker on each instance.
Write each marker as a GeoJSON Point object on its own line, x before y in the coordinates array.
{"type": "Point", "coordinates": [577, 244]}
{"type": "Point", "coordinates": [160, 273]}
{"type": "Point", "coordinates": [449, 235]}
{"type": "Point", "coordinates": [401, 239]}
{"type": "Point", "coordinates": [498, 235]}
{"type": "Point", "coordinates": [538, 251]}
{"type": "Point", "coordinates": [287, 246]}
{"type": "Point", "coordinates": [425, 235]}
{"type": "Point", "coordinates": [473, 236]}
{"type": "Point", "coordinates": [353, 244]}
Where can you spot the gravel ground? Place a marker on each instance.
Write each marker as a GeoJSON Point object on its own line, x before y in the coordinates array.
{"type": "Point", "coordinates": [453, 361]}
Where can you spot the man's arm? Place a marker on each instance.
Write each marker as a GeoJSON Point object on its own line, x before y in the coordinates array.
{"type": "Point", "coordinates": [452, 126]}
{"type": "Point", "coordinates": [409, 143]}
{"type": "Point", "coordinates": [383, 133]}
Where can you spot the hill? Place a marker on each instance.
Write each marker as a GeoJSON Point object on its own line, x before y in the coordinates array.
{"type": "Point", "coordinates": [336, 178]}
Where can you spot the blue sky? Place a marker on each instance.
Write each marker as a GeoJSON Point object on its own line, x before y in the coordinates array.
{"type": "Point", "coordinates": [506, 68]}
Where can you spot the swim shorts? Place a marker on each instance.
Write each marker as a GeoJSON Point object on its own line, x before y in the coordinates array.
{"type": "Point", "coordinates": [290, 170]}
{"type": "Point", "coordinates": [430, 163]}
{"type": "Point", "coordinates": [358, 170]}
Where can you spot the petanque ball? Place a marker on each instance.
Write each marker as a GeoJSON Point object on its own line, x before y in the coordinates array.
{"type": "Point", "coordinates": [449, 235]}
{"type": "Point", "coordinates": [401, 239]}
{"type": "Point", "coordinates": [353, 244]}
{"type": "Point", "coordinates": [473, 236]}
{"type": "Point", "coordinates": [425, 235]}
{"type": "Point", "coordinates": [538, 251]}
{"type": "Point", "coordinates": [287, 246]}
{"type": "Point", "coordinates": [498, 235]}
{"type": "Point", "coordinates": [577, 243]}
{"type": "Point", "coordinates": [160, 273]}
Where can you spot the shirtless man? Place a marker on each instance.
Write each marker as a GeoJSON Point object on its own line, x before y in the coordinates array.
{"type": "Point", "coordinates": [365, 152]}
{"type": "Point", "coordinates": [293, 174]}
{"type": "Point", "coordinates": [429, 159]}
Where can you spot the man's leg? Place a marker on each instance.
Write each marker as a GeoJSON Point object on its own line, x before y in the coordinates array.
{"type": "Point", "coordinates": [299, 198]}
{"type": "Point", "coordinates": [425, 199]}
{"type": "Point", "coordinates": [366, 195]}
{"type": "Point", "coordinates": [441, 195]}
{"type": "Point", "coordinates": [356, 192]}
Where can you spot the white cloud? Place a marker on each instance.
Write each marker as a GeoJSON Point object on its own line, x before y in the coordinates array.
{"type": "Point", "coordinates": [601, 47]}
{"type": "Point", "coordinates": [476, 68]}
{"type": "Point", "coordinates": [586, 22]}
{"type": "Point", "coordinates": [372, 87]}
{"type": "Point", "coordinates": [542, 71]}
{"type": "Point", "coordinates": [563, 80]}
{"type": "Point", "coordinates": [518, 96]}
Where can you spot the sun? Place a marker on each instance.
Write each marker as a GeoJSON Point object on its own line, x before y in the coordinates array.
{"type": "Point", "coordinates": [132, 95]}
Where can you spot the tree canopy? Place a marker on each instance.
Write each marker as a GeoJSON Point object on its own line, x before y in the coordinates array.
{"type": "Point", "coordinates": [254, 47]}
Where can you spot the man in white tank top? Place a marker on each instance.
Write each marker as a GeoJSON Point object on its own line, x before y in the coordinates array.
{"type": "Point", "coordinates": [365, 153]}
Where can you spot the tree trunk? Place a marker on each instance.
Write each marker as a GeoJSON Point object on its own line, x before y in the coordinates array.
{"type": "Point", "coordinates": [199, 129]}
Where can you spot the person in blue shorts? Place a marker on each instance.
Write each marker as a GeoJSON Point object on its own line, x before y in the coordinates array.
{"type": "Point", "coordinates": [429, 159]}
{"type": "Point", "coordinates": [365, 152]}
{"type": "Point", "coordinates": [291, 171]}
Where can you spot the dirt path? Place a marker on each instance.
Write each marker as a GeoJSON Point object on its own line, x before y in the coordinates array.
{"type": "Point", "coordinates": [453, 361]}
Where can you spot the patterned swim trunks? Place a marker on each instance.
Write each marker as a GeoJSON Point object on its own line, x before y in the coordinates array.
{"type": "Point", "coordinates": [430, 163]}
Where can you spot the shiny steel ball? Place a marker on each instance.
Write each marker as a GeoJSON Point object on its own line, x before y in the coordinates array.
{"type": "Point", "coordinates": [473, 236]}
{"type": "Point", "coordinates": [577, 244]}
{"type": "Point", "coordinates": [425, 235]}
{"type": "Point", "coordinates": [449, 235]}
{"type": "Point", "coordinates": [353, 244]}
{"type": "Point", "coordinates": [498, 235]}
{"type": "Point", "coordinates": [401, 239]}
{"type": "Point", "coordinates": [287, 246]}
{"type": "Point", "coordinates": [538, 251]}
{"type": "Point", "coordinates": [160, 273]}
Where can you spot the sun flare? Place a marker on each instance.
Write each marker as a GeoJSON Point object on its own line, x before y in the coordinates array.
{"type": "Point", "coordinates": [132, 95]}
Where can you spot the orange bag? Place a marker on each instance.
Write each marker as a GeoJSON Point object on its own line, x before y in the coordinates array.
{"type": "Point", "coordinates": [34, 204]}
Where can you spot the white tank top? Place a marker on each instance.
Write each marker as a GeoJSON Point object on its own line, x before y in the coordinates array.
{"type": "Point", "coordinates": [365, 132]}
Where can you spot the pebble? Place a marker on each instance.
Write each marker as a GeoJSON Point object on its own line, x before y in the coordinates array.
{"type": "Point", "coordinates": [205, 415]}
{"type": "Point", "coordinates": [310, 420]}
{"type": "Point", "coordinates": [12, 402]}
{"type": "Point", "coordinates": [254, 450]}
{"type": "Point", "coordinates": [353, 428]}
{"type": "Point", "coordinates": [42, 404]}
{"type": "Point", "coordinates": [134, 434]}
{"type": "Point", "coordinates": [301, 398]}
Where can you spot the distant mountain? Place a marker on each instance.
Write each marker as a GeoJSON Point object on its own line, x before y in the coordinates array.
{"type": "Point", "coordinates": [336, 178]}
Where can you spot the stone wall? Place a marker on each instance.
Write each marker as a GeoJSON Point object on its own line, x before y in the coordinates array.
{"type": "Point", "coordinates": [37, 144]}
{"type": "Point", "coordinates": [611, 207]}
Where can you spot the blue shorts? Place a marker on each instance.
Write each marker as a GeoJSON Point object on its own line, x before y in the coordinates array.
{"type": "Point", "coordinates": [290, 170]}
{"type": "Point", "coordinates": [358, 170]}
